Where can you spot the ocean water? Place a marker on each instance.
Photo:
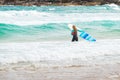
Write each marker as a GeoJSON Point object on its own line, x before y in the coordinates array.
{"type": "Point", "coordinates": [40, 34]}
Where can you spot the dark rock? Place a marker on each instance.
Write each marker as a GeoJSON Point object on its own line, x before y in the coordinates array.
{"type": "Point", "coordinates": [58, 2]}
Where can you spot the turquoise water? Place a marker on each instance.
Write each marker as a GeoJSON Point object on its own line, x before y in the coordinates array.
{"type": "Point", "coordinates": [40, 34]}
{"type": "Point", "coordinates": [49, 23]}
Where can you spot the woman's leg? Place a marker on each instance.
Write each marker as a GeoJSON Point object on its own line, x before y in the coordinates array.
{"type": "Point", "coordinates": [76, 38]}
{"type": "Point", "coordinates": [73, 39]}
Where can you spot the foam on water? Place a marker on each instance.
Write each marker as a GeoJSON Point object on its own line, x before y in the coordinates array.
{"type": "Point", "coordinates": [23, 15]}
{"type": "Point", "coordinates": [59, 51]}
{"type": "Point", "coordinates": [114, 6]}
{"type": "Point", "coordinates": [40, 34]}
{"type": "Point", "coordinates": [37, 18]}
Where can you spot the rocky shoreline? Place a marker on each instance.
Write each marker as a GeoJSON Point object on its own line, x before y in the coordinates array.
{"type": "Point", "coordinates": [36, 3]}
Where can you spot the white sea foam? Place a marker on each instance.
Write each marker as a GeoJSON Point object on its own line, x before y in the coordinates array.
{"type": "Point", "coordinates": [35, 17]}
{"type": "Point", "coordinates": [100, 51]}
{"type": "Point", "coordinates": [114, 6]}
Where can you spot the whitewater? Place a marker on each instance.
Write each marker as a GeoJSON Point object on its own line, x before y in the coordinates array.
{"type": "Point", "coordinates": [40, 35]}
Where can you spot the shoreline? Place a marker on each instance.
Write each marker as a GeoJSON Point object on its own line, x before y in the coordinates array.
{"type": "Point", "coordinates": [73, 72]}
{"type": "Point", "coordinates": [33, 53]}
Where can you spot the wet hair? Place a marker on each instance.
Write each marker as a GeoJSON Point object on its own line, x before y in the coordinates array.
{"type": "Point", "coordinates": [74, 28]}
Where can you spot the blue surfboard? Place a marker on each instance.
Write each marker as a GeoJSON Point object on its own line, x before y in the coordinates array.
{"type": "Point", "coordinates": [83, 34]}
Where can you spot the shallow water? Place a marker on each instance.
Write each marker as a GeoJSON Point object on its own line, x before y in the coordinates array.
{"type": "Point", "coordinates": [40, 34]}
{"type": "Point", "coordinates": [102, 51]}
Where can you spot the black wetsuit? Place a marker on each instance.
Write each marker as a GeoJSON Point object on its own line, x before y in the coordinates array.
{"type": "Point", "coordinates": [75, 38]}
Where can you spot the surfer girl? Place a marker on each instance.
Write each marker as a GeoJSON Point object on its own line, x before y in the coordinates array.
{"type": "Point", "coordinates": [74, 33]}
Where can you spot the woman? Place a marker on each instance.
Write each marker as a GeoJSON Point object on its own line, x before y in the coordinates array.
{"type": "Point", "coordinates": [74, 33]}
